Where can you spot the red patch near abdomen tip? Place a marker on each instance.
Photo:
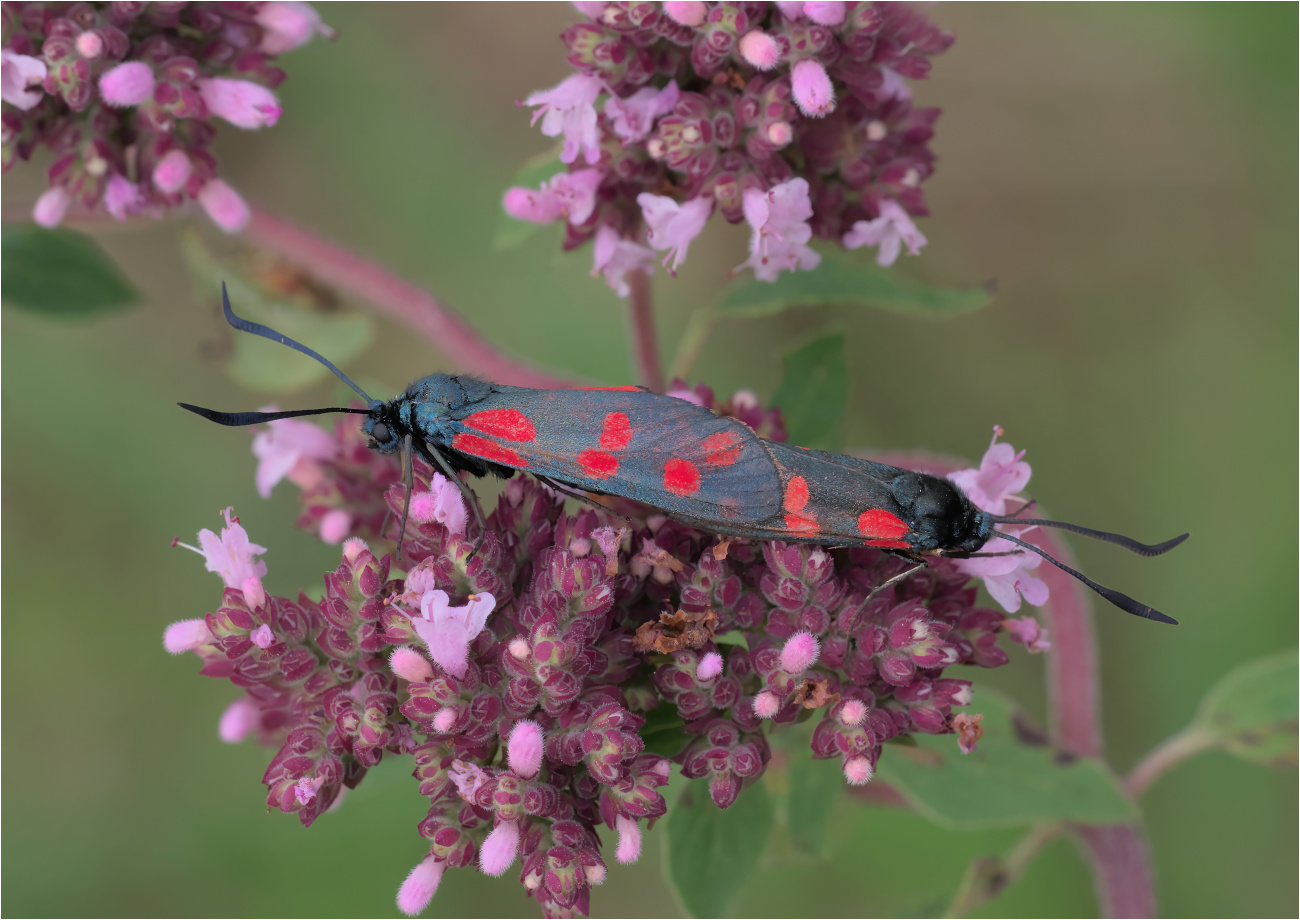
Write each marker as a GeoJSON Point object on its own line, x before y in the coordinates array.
{"type": "Point", "coordinates": [629, 389]}
{"type": "Point", "coordinates": [796, 495]}
{"type": "Point", "coordinates": [881, 525]}
{"type": "Point", "coordinates": [681, 477]}
{"type": "Point", "coordinates": [801, 524]}
{"type": "Point", "coordinates": [723, 448]}
{"type": "Point", "coordinates": [507, 424]}
{"type": "Point", "coordinates": [890, 544]}
{"type": "Point", "coordinates": [484, 449]}
{"type": "Point", "coordinates": [615, 431]}
{"type": "Point", "coordinates": [598, 464]}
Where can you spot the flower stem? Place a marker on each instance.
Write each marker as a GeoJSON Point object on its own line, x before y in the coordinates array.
{"type": "Point", "coordinates": [641, 332]}
{"type": "Point", "coordinates": [1167, 755]}
{"type": "Point", "coordinates": [447, 330]}
{"type": "Point", "coordinates": [688, 350]}
{"type": "Point", "coordinates": [986, 878]}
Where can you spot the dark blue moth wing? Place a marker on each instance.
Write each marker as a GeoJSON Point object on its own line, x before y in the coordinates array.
{"type": "Point", "coordinates": [656, 449]}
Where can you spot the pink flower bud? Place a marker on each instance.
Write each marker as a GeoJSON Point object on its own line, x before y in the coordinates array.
{"type": "Point", "coordinates": [686, 14]}
{"type": "Point", "coordinates": [766, 704]}
{"type": "Point", "coordinates": [334, 526]}
{"type": "Point", "coordinates": [580, 547]}
{"type": "Point", "coordinates": [263, 637]}
{"type": "Point", "coordinates": [353, 547]}
{"type": "Point", "coordinates": [89, 44]}
{"type": "Point", "coordinates": [241, 102]}
{"type": "Point", "coordinates": [239, 719]}
{"type": "Point", "coordinates": [288, 24]}
{"type": "Point", "coordinates": [825, 13]}
{"type": "Point", "coordinates": [760, 49]}
{"type": "Point", "coordinates": [629, 840]}
{"type": "Point", "coordinates": [790, 9]}
{"type": "Point", "coordinates": [533, 205]}
{"type": "Point", "coordinates": [524, 749]}
{"type": "Point", "coordinates": [710, 666]}
{"type": "Point", "coordinates": [127, 84]}
{"type": "Point", "coordinates": [409, 664]}
{"type": "Point", "coordinates": [800, 653]}
{"type": "Point", "coordinates": [421, 885]}
{"type": "Point", "coordinates": [121, 197]}
{"type": "Point", "coordinates": [499, 849]}
{"type": "Point", "coordinates": [858, 770]}
{"type": "Point", "coordinates": [595, 875]}
{"type": "Point", "coordinates": [172, 172]}
{"type": "Point", "coordinates": [254, 593]}
{"type": "Point", "coordinates": [519, 648]}
{"type": "Point", "coordinates": [876, 130]}
{"type": "Point", "coordinates": [230, 212]}
{"type": "Point", "coordinates": [444, 720]}
{"type": "Point", "coordinates": [813, 92]}
{"type": "Point", "coordinates": [186, 636]}
{"type": "Point", "coordinates": [51, 206]}
{"type": "Point", "coordinates": [853, 712]}
{"type": "Point", "coordinates": [779, 133]}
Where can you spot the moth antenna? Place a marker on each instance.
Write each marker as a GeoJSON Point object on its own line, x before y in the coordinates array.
{"type": "Point", "coordinates": [238, 419]}
{"type": "Point", "coordinates": [1122, 601]}
{"type": "Point", "coordinates": [1133, 546]}
{"type": "Point", "coordinates": [408, 480]}
{"type": "Point", "coordinates": [1023, 508]}
{"type": "Point", "coordinates": [267, 332]}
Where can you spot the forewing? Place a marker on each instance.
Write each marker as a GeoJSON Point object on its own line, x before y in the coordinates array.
{"type": "Point", "coordinates": [656, 449]}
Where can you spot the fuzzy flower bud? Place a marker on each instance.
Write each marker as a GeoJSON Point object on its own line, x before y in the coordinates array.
{"type": "Point", "coordinates": [710, 666]}
{"type": "Point", "coordinates": [499, 849]}
{"type": "Point", "coordinates": [186, 636]}
{"type": "Point", "coordinates": [799, 653]}
{"type": "Point", "coordinates": [629, 840]}
{"type": "Point", "coordinates": [127, 84]}
{"type": "Point", "coordinates": [238, 721]}
{"type": "Point", "coordinates": [760, 50]}
{"type": "Point", "coordinates": [766, 704]}
{"type": "Point", "coordinates": [231, 213]}
{"type": "Point", "coordinates": [689, 14]}
{"type": "Point", "coordinates": [353, 547]}
{"type": "Point", "coordinates": [825, 13]}
{"type": "Point", "coordinates": [853, 712]}
{"type": "Point", "coordinates": [288, 24]}
{"type": "Point", "coordinates": [52, 206]}
{"type": "Point", "coordinates": [813, 92]}
{"type": "Point", "coordinates": [241, 102]}
{"type": "Point", "coordinates": [524, 749]}
{"type": "Point", "coordinates": [858, 770]}
{"type": "Point", "coordinates": [409, 664]}
{"type": "Point", "coordinates": [335, 526]}
{"type": "Point", "coordinates": [170, 175]}
{"type": "Point", "coordinates": [422, 884]}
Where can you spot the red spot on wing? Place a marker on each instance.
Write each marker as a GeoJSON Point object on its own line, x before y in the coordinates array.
{"type": "Point", "coordinates": [616, 431]}
{"type": "Point", "coordinates": [881, 525]}
{"type": "Point", "coordinates": [802, 524]}
{"type": "Point", "coordinates": [486, 450]}
{"type": "Point", "coordinates": [631, 389]}
{"type": "Point", "coordinates": [507, 424]}
{"type": "Point", "coordinates": [796, 495]}
{"type": "Point", "coordinates": [598, 463]}
{"type": "Point", "coordinates": [723, 448]}
{"type": "Point", "coordinates": [681, 477]}
{"type": "Point", "coordinates": [890, 544]}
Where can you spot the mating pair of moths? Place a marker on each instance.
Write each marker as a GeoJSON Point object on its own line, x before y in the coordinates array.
{"type": "Point", "coordinates": [711, 473]}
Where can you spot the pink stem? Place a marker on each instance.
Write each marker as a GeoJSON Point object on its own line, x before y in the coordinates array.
{"type": "Point", "coordinates": [641, 332]}
{"type": "Point", "coordinates": [1118, 853]}
{"type": "Point", "coordinates": [401, 300]}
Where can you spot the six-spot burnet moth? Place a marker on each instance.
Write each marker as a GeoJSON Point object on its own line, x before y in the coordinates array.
{"type": "Point", "coordinates": [711, 473]}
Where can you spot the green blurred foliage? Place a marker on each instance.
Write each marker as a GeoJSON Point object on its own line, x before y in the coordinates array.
{"type": "Point", "coordinates": [1125, 172]}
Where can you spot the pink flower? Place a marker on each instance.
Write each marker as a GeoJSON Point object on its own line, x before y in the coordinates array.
{"type": "Point", "coordinates": [288, 25]}
{"type": "Point", "coordinates": [447, 631]}
{"type": "Point", "coordinates": [615, 257]}
{"type": "Point", "coordinates": [893, 86]}
{"type": "Point", "coordinates": [306, 788]}
{"type": "Point", "coordinates": [766, 704]}
{"type": "Point", "coordinates": [686, 13]}
{"type": "Point", "coordinates": [353, 548]}
{"type": "Point", "coordinates": [569, 109]}
{"type": "Point", "coordinates": [813, 92]}
{"type": "Point", "coordinates": [710, 666]}
{"type": "Point", "coordinates": [499, 849]}
{"type": "Point", "coordinates": [443, 503]}
{"type": "Point", "coordinates": [468, 777]}
{"type": "Point", "coordinates": [779, 218]}
{"type": "Point", "coordinates": [853, 712]}
{"type": "Point", "coordinates": [89, 44]}
{"type": "Point", "coordinates": [760, 50]}
{"type": "Point", "coordinates": [629, 840]}
{"type": "Point", "coordinates": [224, 205]}
{"type": "Point", "coordinates": [420, 886]}
{"type": "Point", "coordinates": [444, 720]}
{"type": "Point", "coordinates": [858, 770]}
{"type": "Point", "coordinates": [241, 102]}
{"type": "Point", "coordinates": [122, 197]}
{"type": "Point", "coordinates": [335, 526]}
{"type": "Point", "coordinates": [571, 195]}
{"type": "Point", "coordinates": [1007, 578]}
{"type": "Point", "coordinates": [790, 9]}
{"type": "Point", "coordinates": [689, 396]}
{"type": "Point", "coordinates": [525, 748]}
{"type": "Point", "coordinates": [800, 653]}
{"type": "Point", "coordinates": [263, 637]}
{"type": "Point", "coordinates": [127, 84]}
{"type": "Point", "coordinates": [672, 227]}
{"type": "Point", "coordinates": [254, 593]}
{"type": "Point", "coordinates": [290, 447]}
{"type": "Point", "coordinates": [22, 79]}
{"type": "Point", "coordinates": [1028, 633]}
{"type": "Point", "coordinates": [186, 636]}
{"type": "Point", "coordinates": [888, 231]}
{"type": "Point", "coordinates": [172, 172]}
{"type": "Point", "coordinates": [231, 556]}
{"type": "Point", "coordinates": [52, 206]}
{"type": "Point", "coordinates": [239, 720]}
{"type": "Point", "coordinates": [634, 117]}
{"type": "Point", "coordinates": [825, 14]}
{"type": "Point", "coordinates": [1002, 474]}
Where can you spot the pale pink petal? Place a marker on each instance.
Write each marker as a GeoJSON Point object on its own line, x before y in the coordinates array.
{"type": "Point", "coordinates": [239, 720]}
{"type": "Point", "coordinates": [186, 636]}
{"type": "Point", "coordinates": [615, 257]}
{"type": "Point", "coordinates": [225, 206]}
{"type": "Point", "coordinates": [52, 206]}
{"type": "Point", "coordinates": [127, 84]}
{"type": "Point", "coordinates": [420, 886]}
{"type": "Point", "coordinates": [629, 840]}
{"type": "Point", "coordinates": [288, 24]}
{"type": "Point", "coordinates": [21, 79]}
{"type": "Point", "coordinates": [825, 13]}
{"type": "Point", "coordinates": [243, 103]}
{"type": "Point", "coordinates": [633, 118]}
{"type": "Point", "coordinates": [335, 526]}
{"type": "Point", "coordinates": [569, 110]}
{"type": "Point", "coordinates": [172, 172]}
{"type": "Point", "coordinates": [671, 226]}
{"type": "Point", "coordinates": [499, 849]}
{"type": "Point", "coordinates": [122, 197]}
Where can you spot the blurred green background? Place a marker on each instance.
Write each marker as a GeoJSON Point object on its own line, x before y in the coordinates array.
{"type": "Point", "coordinates": [1127, 173]}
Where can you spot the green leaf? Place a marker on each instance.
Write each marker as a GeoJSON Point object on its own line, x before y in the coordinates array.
{"type": "Point", "coordinates": [258, 363]}
{"type": "Point", "coordinates": [1005, 781]}
{"type": "Point", "coordinates": [1252, 711]}
{"type": "Point", "coordinates": [816, 787]}
{"type": "Point", "coordinates": [510, 232]}
{"type": "Point", "coordinates": [733, 637]}
{"type": "Point", "coordinates": [712, 851]}
{"type": "Point", "coordinates": [814, 389]}
{"type": "Point", "coordinates": [849, 278]}
{"type": "Point", "coordinates": [662, 732]}
{"type": "Point", "coordinates": [62, 273]}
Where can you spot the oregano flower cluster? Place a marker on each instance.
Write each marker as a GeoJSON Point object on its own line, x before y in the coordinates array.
{"type": "Point", "coordinates": [516, 661]}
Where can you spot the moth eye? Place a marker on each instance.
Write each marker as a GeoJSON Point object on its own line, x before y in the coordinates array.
{"type": "Point", "coordinates": [379, 432]}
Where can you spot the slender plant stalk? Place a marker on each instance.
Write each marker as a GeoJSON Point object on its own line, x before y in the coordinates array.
{"type": "Point", "coordinates": [1168, 754]}
{"type": "Point", "coordinates": [986, 878]}
{"type": "Point", "coordinates": [642, 338]}
{"type": "Point", "coordinates": [445, 329]}
{"type": "Point", "coordinates": [688, 350]}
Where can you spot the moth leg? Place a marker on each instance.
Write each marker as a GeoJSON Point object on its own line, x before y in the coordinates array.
{"type": "Point", "coordinates": [408, 480]}
{"type": "Point", "coordinates": [435, 458]}
{"type": "Point", "coordinates": [565, 490]}
{"type": "Point", "coordinates": [890, 582]}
